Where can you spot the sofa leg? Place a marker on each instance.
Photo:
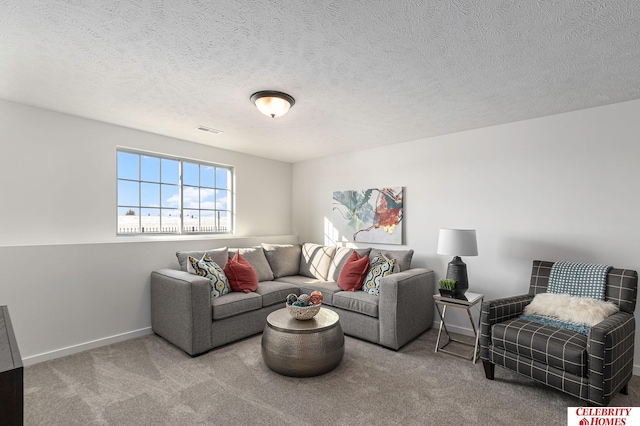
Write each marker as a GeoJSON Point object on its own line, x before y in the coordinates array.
{"type": "Point", "coordinates": [489, 369]}
{"type": "Point", "coordinates": [625, 389]}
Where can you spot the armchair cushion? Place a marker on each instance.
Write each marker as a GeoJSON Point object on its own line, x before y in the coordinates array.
{"type": "Point", "coordinates": [563, 349]}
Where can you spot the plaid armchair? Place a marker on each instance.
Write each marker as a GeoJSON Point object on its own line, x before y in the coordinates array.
{"type": "Point", "coordinates": [593, 368]}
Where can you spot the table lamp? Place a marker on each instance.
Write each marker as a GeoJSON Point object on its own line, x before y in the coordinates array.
{"type": "Point", "coordinates": [458, 242]}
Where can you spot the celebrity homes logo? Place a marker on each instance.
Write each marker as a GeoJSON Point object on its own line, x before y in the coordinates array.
{"type": "Point", "coordinates": [603, 416]}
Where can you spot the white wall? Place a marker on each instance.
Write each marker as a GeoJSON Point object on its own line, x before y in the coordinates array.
{"type": "Point", "coordinates": [563, 187]}
{"type": "Point", "coordinates": [69, 282]}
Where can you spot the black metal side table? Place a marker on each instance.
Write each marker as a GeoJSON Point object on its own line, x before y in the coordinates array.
{"type": "Point", "coordinates": [471, 300]}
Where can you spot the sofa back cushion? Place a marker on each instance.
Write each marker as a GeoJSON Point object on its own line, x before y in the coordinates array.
{"type": "Point", "coordinates": [284, 259]}
{"type": "Point", "coordinates": [340, 258]}
{"type": "Point", "coordinates": [402, 257]}
{"type": "Point", "coordinates": [256, 258]}
{"type": "Point", "coordinates": [218, 256]}
{"type": "Point", "coordinates": [315, 260]}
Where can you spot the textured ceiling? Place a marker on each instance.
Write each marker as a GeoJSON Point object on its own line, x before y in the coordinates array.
{"type": "Point", "coordinates": [364, 73]}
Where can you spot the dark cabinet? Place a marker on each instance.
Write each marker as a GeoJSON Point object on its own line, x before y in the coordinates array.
{"type": "Point", "coordinates": [11, 370]}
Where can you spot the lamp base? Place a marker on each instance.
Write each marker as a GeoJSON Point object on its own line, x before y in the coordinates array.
{"type": "Point", "coordinates": [457, 271]}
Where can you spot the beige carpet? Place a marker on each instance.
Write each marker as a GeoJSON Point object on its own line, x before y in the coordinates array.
{"type": "Point", "coordinates": [147, 381]}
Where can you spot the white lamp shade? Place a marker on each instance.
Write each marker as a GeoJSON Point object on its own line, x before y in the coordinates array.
{"type": "Point", "coordinates": [457, 242]}
{"type": "Point", "coordinates": [273, 106]}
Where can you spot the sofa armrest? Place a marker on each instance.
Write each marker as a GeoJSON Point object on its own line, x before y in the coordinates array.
{"type": "Point", "coordinates": [405, 306]}
{"type": "Point", "coordinates": [610, 356]}
{"type": "Point", "coordinates": [181, 309]}
{"type": "Point", "coordinates": [499, 310]}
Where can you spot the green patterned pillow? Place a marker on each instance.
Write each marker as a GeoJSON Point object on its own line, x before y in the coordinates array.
{"type": "Point", "coordinates": [207, 268]}
{"type": "Point", "coordinates": [380, 267]}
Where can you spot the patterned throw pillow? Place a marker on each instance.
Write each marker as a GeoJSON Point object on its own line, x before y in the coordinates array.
{"type": "Point", "coordinates": [380, 267]}
{"type": "Point", "coordinates": [207, 268]}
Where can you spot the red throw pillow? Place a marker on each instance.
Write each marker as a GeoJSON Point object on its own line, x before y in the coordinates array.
{"type": "Point", "coordinates": [241, 276]}
{"type": "Point", "coordinates": [353, 272]}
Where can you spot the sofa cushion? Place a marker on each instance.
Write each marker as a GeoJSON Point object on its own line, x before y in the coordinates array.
{"type": "Point", "coordinates": [353, 272]}
{"type": "Point", "coordinates": [274, 292]}
{"type": "Point", "coordinates": [380, 267]}
{"type": "Point", "coordinates": [207, 268]}
{"type": "Point", "coordinates": [402, 257]}
{"type": "Point", "coordinates": [235, 303]}
{"type": "Point", "coordinates": [256, 258]}
{"type": "Point", "coordinates": [557, 347]}
{"type": "Point", "coordinates": [359, 301]}
{"type": "Point", "coordinates": [315, 260]}
{"type": "Point", "coordinates": [284, 259]}
{"type": "Point", "coordinates": [308, 285]}
{"type": "Point", "coordinates": [219, 256]}
{"type": "Point", "coordinates": [241, 274]}
{"type": "Point", "coordinates": [340, 257]}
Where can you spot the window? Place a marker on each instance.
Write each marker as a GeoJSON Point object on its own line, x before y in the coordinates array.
{"type": "Point", "coordinates": [168, 195]}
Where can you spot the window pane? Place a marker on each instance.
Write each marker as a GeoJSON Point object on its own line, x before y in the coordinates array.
{"type": "Point", "coordinates": [150, 219]}
{"type": "Point", "coordinates": [190, 197]}
{"type": "Point", "coordinates": [170, 220]}
{"type": "Point", "coordinates": [224, 221]}
{"type": "Point", "coordinates": [127, 165]}
{"type": "Point", "coordinates": [207, 198]}
{"type": "Point", "coordinates": [128, 220]}
{"type": "Point", "coordinates": [207, 221]}
{"type": "Point", "coordinates": [150, 169]}
{"type": "Point", "coordinates": [191, 221]}
{"type": "Point", "coordinates": [170, 196]}
{"type": "Point", "coordinates": [223, 177]}
{"type": "Point", "coordinates": [150, 195]}
{"type": "Point", "coordinates": [189, 174]}
{"type": "Point", "coordinates": [206, 175]}
{"type": "Point", "coordinates": [222, 199]}
{"type": "Point", "coordinates": [170, 171]}
{"type": "Point", "coordinates": [128, 194]}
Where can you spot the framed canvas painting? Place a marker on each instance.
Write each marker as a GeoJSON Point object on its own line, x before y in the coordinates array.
{"type": "Point", "coordinates": [369, 215]}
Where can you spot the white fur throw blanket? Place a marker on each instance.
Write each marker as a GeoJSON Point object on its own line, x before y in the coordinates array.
{"type": "Point", "coordinates": [573, 309]}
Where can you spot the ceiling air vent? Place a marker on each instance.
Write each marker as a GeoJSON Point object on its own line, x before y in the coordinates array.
{"type": "Point", "coordinates": [209, 129]}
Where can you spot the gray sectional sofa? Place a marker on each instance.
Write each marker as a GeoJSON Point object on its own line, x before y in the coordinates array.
{"type": "Point", "coordinates": [184, 313]}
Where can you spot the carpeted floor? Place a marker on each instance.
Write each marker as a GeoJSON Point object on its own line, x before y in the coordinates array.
{"type": "Point", "coordinates": [147, 381]}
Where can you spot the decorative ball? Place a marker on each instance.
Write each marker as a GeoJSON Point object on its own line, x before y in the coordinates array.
{"type": "Point", "coordinates": [304, 299]}
{"type": "Point", "coordinates": [291, 298]}
{"type": "Point", "coordinates": [297, 303]}
{"type": "Point", "coordinates": [316, 298]}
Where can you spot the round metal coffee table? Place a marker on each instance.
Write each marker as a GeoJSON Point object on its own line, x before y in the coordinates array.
{"type": "Point", "coordinates": [302, 348]}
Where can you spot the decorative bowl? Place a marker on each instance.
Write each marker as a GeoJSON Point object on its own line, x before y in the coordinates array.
{"type": "Point", "coordinates": [303, 312]}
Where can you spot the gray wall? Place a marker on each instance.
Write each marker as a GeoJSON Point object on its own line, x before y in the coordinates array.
{"type": "Point", "coordinates": [563, 187]}
{"type": "Point", "coordinates": [69, 282]}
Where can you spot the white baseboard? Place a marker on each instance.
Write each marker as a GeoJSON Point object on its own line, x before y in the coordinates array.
{"type": "Point", "coordinates": [59, 353]}
{"type": "Point", "coordinates": [469, 332]}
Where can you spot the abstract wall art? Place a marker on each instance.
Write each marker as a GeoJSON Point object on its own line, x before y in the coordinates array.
{"type": "Point", "coordinates": [369, 215]}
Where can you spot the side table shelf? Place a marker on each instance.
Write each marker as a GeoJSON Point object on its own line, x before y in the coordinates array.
{"type": "Point", "coordinates": [11, 374]}
{"type": "Point", "coordinates": [471, 300]}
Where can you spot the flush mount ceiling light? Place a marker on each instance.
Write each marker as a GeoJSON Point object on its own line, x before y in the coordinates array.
{"type": "Point", "coordinates": [272, 103]}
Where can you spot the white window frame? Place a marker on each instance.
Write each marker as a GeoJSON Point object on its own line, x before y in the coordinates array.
{"type": "Point", "coordinates": [201, 230]}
